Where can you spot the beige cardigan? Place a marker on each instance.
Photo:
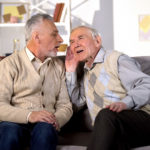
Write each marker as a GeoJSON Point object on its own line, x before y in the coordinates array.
{"type": "Point", "coordinates": [22, 90]}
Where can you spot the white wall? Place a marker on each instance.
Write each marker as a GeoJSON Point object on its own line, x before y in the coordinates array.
{"type": "Point", "coordinates": [126, 28]}
{"type": "Point", "coordinates": [97, 14]}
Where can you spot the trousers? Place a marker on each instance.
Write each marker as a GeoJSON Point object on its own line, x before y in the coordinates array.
{"type": "Point", "coordinates": [39, 136]}
{"type": "Point", "coordinates": [120, 131]}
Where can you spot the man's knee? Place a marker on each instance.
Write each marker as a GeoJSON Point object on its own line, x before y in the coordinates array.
{"type": "Point", "coordinates": [10, 130]}
{"type": "Point", "coordinates": [106, 115]}
{"type": "Point", "coordinates": [10, 135]}
{"type": "Point", "coordinates": [45, 130]}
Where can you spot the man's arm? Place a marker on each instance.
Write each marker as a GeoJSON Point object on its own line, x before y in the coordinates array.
{"type": "Point", "coordinates": [75, 88]}
{"type": "Point", "coordinates": [136, 83]}
{"type": "Point", "coordinates": [63, 106]}
{"type": "Point", "coordinates": [8, 112]}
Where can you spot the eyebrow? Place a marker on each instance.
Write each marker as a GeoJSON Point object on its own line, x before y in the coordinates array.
{"type": "Point", "coordinates": [71, 40]}
{"type": "Point", "coordinates": [56, 31]}
{"type": "Point", "coordinates": [78, 37]}
{"type": "Point", "coordinates": [81, 35]}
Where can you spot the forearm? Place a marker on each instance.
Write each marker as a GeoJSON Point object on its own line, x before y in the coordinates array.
{"type": "Point", "coordinates": [139, 95]}
{"type": "Point", "coordinates": [63, 114]}
{"type": "Point", "coordinates": [63, 106]}
{"type": "Point", "coordinates": [136, 83]}
{"type": "Point", "coordinates": [8, 112]}
{"type": "Point", "coordinates": [12, 114]}
{"type": "Point", "coordinates": [75, 90]}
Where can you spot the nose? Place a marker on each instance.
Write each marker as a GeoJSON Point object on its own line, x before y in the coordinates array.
{"type": "Point", "coordinates": [76, 44]}
{"type": "Point", "coordinates": [60, 39]}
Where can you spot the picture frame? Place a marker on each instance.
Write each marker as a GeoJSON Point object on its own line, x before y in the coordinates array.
{"type": "Point", "coordinates": [14, 12]}
{"type": "Point", "coordinates": [144, 27]}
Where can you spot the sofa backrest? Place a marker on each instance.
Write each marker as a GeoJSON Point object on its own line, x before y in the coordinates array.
{"type": "Point", "coordinates": [144, 61]}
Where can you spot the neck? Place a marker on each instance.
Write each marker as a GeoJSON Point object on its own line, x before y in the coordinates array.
{"type": "Point", "coordinates": [89, 62]}
{"type": "Point", "coordinates": [35, 50]}
{"type": "Point", "coordinates": [91, 59]}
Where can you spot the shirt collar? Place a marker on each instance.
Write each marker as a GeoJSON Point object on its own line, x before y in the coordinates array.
{"type": "Point", "coordinates": [32, 57]}
{"type": "Point", "coordinates": [100, 56]}
{"type": "Point", "coordinates": [29, 54]}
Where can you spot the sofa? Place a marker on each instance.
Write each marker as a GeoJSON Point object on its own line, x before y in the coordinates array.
{"type": "Point", "coordinates": [76, 134]}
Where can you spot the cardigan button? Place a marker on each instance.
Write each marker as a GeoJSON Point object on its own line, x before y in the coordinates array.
{"type": "Point", "coordinates": [42, 93]}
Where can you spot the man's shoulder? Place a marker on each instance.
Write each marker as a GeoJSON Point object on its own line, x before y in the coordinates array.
{"type": "Point", "coordinates": [111, 60]}
{"type": "Point", "coordinates": [113, 52]}
{"type": "Point", "coordinates": [13, 58]}
{"type": "Point", "coordinates": [15, 54]}
{"type": "Point", "coordinates": [112, 55]}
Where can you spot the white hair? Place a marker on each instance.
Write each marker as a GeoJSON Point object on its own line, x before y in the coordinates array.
{"type": "Point", "coordinates": [33, 23]}
{"type": "Point", "coordinates": [93, 31]}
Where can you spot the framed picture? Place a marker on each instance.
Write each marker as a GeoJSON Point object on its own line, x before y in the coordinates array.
{"type": "Point", "coordinates": [144, 27]}
{"type": "Point", "coordinates": [14, 12]}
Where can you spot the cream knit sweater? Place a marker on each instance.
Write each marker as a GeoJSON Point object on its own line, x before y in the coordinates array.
{"type": "Point", "coordinates": [22, 90]}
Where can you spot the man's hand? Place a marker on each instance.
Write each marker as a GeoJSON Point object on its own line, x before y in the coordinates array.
{"type": "Point", "coordinates": [71, 61]}
{"type": "Point", "coordinates": [43, 116]}
{"type": "Point", "coordinates": [117, 106]}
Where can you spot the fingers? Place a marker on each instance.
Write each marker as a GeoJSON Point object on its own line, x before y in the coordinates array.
{"type": "Point", "coordinates": [71, 62]}
{"type": "Point", "coordinates": [56, 125]}
{"type": "Point", "coordinates": [48, 119]}
{"type": "Point", "coordinates": [48, 114]}
{"type": "Point", "coordinates": [69, 55]}
{"type": "Point", "coordinates": [117, 106]}
{"type": "Point", "coordinates": [114, 107]}
{"type": "Point", "coordinates": [42, 116]}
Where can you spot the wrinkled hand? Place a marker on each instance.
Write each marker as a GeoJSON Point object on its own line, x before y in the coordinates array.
{"type": "Point", "coordinates": [71, 61]}
{"type": "Point", "coordinates": [117, 106]}
{"type": "Point", "coordinates": [43, 116]}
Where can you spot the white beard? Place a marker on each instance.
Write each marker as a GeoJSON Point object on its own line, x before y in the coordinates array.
{"type": "Point", "coordinates": [52, 54]}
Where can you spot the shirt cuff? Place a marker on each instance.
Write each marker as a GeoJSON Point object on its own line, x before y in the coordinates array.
{"type": "Point", "coordinates": [129, 102]}
{"type": "Point", "coordinates": [28, 116]}
{"type": "Point", "coordinates": [71, 78]}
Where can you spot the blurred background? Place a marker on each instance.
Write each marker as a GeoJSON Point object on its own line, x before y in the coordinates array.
{"type": "Point", "coordinates": [123, 24]}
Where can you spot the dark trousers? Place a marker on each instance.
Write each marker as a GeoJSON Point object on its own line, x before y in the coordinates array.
{"type": "Point", "coordinates": [39, 136]}
{"type": "Point", "coordinates": [120, 131]}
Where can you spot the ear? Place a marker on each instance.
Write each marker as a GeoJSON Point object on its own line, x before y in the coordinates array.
{"type": "Point", "coordinates": [98, 41]}
{"type": "Point", "coordinates": [35, 36]}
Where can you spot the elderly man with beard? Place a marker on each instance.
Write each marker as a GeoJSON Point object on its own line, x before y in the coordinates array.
{"type": "Point", "coordinates": [34, 103]}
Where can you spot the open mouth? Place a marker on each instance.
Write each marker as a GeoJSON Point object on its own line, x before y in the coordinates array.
{"type": "Point", "coordinates": [79, 51]}
{"type": "Point", "coordinates": [56, 47]}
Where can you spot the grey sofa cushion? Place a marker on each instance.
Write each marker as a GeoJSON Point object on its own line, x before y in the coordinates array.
{"type": "Point", "coordinates": [144, 61]}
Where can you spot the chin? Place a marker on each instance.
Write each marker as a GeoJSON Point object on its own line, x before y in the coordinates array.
{"type": "Point", "coordinates": [52, 54]}
{"type": "Point", "coordinates": [81, 58]}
